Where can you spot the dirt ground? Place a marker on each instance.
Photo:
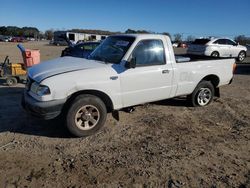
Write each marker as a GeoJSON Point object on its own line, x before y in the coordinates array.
{"type": "Point", "coordinates": [162, 144]}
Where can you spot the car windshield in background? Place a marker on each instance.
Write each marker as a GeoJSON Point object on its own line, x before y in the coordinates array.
{"type": "Point", "coordinates": [87, 46]}
{"type": "Point", "coordinates": [112, 49]}
{"type": "Point", "coordinates": [201, 41]}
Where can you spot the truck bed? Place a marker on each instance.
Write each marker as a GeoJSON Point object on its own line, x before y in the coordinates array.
{"type": "Point", "coordinates": [183, 58]}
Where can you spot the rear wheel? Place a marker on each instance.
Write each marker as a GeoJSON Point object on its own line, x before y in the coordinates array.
{"type": "Point", "coordinates": [11, 81]}
{"type": "Point", "coordinates": [86, 115]}
{"type": "Point", "coordinates": [203, 94]}
{"type": "Point", "coordinates": [241, 56]}
{"type": "Point", "coordinates": [215, 54]}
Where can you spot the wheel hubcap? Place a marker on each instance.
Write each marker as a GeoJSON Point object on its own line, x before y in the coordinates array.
{"type": "Point", "coordinates": [241, 56]}
{"type": "Point", "coordinates": [87, 117]}
{"type": "Point", "coordinates": [204, 96]}
{"type": "Point", "coordinates": [215, 55]}
{"type": "Point", "coordinates": [10, 82]}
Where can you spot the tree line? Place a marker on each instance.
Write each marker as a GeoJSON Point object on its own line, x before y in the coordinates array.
{"type": "Point", "coordinates": [19, 31]}
{"type": "Point", "coordinates": [242, 39]}
{"type": "Point", "coordinates": [48, 34]}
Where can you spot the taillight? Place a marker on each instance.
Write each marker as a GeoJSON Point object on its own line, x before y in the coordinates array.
{"type": "Point", "coordinates": [234, 67]}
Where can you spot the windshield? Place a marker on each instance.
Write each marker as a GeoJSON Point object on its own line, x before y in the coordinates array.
{"type": "Point", "coordinates": [112, 49]}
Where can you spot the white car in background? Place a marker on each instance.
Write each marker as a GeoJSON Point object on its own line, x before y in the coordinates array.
{"type": "Point", "coordinates": [175, 44]}
{"type": "Point", "coordinates": [217, 47]}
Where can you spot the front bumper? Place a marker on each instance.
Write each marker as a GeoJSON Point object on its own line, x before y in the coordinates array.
{"type": "Point", "coordinates": [42, 109]}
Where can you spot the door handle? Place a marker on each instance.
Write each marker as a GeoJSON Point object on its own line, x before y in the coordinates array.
{"type": "Point", "coordinates": [165, 71]}
{"type": "Point", "coordinates": [113, 77]}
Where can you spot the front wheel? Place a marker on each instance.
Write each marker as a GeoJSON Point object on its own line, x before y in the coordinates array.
{"type": "Point", "coordinates": [86, 115]}
{"type": "Point", "coordinates": [203, 94]}
{"type": "Point", "coordinates": [241, 56]}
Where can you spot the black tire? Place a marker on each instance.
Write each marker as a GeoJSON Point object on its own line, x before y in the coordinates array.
{"type": "Point", "coordinates": [215, 54]}
{"type": "Point", "coordinates": [11, 81]}
{"type": "Point", "coordinates": [204, 89]}
{"type": "Point", "coordinates": [85, 109]}
{"type": "Point", "coordinates": [241, 56]}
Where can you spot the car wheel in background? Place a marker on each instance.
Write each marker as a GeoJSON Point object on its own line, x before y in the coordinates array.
{"type": "Point", "coordinates": [241, 56]}
{"type": "Point", "coordinates": [202, 95]}
{"type": "Point", "coordinates": [86, 115]}
{"type": "Point", "coordinates": [11, 81]}
{"type": "Point", "coordinates": [215, 54]}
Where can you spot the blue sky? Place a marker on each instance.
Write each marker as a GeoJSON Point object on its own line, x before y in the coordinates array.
{"type": "Point", "coordinates": [189, 17]}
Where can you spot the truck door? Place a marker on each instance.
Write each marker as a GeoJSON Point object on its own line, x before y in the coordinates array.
{"type": "Point", "coordinates": [151, 79]}
{"type": "Point", "coordinates": [233, 48]}
{"type": "Point", "coordinates": [223, 48]}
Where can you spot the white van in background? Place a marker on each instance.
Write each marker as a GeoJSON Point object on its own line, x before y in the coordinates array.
{"type": "Point", "coordinates": [217, 47]}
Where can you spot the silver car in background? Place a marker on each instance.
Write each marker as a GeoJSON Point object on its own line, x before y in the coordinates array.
{"type": "Point", "coordinates": [217, 47]}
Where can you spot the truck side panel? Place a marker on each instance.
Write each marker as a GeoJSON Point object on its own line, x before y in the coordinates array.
{"type": "Point", "coordinates": [189, 74]}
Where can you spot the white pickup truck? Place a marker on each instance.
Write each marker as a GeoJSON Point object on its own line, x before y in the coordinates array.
{"type": "Point", "coordinates": [124, 71]}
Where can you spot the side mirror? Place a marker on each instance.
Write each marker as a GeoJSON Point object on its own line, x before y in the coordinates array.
{"type": "Point", "coordinates": [131, 64]}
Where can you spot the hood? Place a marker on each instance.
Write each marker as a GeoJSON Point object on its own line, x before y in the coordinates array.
{"type": "Point", "coordinates": [61, 65]}
{"type": "Point", "coordinates": [242, 47]}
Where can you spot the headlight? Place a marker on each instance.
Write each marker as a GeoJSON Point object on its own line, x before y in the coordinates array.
{"type": "Point", "coordinates": [40, 90]}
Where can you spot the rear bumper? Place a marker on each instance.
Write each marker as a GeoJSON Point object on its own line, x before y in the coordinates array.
{"type": "Point", "coordinates": [44, 110]}
{"type": "Point", "coordinates": [200, 53]}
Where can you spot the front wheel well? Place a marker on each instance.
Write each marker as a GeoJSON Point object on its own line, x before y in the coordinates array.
{"type": "Point", "coordinates": [243, 51]}
{"type": "Point", "coordinates": [103, 96]}
{"type": "Point", "coordinates": [213, 52]}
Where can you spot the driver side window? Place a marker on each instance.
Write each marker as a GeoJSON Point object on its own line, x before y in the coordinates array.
{"type": "Point", "coordinates": [149, 52]}
{"type": "Point", "coordinates": [220, 41]}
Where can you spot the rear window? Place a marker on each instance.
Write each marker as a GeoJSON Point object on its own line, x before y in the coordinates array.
{"type": "Point", "coordinates": [201, 41]}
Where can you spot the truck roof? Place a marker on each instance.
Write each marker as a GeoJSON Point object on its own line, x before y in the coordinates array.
{"type": "Point", "coordinates": [143, 36]}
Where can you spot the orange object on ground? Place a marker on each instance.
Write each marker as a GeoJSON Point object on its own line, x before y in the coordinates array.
{"type": "Point", "coordinates": [31, 57]}
{"type": "Point", "coordinates": [17, 69]}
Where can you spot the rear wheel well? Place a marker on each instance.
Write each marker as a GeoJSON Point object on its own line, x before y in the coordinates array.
{"type": "Point", "coordinates": [103, 96]}
{"type": "Point", "coordinates": [215, 82]}
{"type": "Point", "coordinates": [213, 79]}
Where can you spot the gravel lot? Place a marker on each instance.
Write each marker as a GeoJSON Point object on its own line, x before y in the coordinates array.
{"type": "Point", "coordinates": [162, 144]}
